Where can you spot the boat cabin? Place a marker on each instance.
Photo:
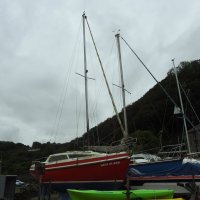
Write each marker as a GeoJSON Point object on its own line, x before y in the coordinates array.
{"type": "Point", "coordinates": [143, 158]}
{"type": "Point", "coordinates": [71, 155]}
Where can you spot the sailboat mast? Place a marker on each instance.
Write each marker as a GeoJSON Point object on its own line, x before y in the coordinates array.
{"type": "Point", "coordinates": [122, 85]}
{"type": "Point", "coordinates": [182, 109]}
{"type": "Point", "coordinates": [85, 75]}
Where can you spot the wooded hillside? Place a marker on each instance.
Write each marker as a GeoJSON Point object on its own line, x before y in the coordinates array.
{"type": "Point", "coordinates": [155, 112]}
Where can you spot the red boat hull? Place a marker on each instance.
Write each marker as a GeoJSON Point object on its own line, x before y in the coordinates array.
{"type": "Point", "coordinates": [103, 172]}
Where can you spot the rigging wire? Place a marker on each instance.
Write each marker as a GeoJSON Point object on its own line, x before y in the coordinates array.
{"type": "Point", "coordinates": [165, 111]}
{"type": "Point", "coordinates": [164, 90]}
{"type": "Point", "coordinates": [108, 63]}
{"type": "Point", "coordinates": [78, 116]}
{"type": "Point", "coordinates": [93, 91]}
{"type": "Point", "coordinates": [98, 92]}
{"type": "Point", "coordinates": [64, 93]}
{"type": "Point", "coordinates": [189, 102]}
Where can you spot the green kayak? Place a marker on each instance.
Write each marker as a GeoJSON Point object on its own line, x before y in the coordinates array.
{"type": "Point", "coordinates": [119, 194]}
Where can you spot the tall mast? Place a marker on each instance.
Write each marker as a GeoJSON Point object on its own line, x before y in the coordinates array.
{"type": "Point", "coordinates": [86, 79]}
{"type": "Point", "coordinates": [182, 109]}
{"type": "Point", "coordinates": [122, 85]}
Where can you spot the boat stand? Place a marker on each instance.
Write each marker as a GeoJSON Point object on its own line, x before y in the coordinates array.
{"type": "Point", "coordinates": [64, 196]}
{"type": "Point", "coordinates": [45, 193]}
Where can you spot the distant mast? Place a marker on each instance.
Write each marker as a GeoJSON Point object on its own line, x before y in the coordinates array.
{"type": "Point", "coordinates": [182, 109]}
{"type": "Point", "coordinates": [86, 81]}
{"type": "Point", "coordinates": [122, 86]}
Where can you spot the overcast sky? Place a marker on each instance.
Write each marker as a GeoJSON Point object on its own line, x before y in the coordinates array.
{"type": "Point", "coordinates": [41, 97]}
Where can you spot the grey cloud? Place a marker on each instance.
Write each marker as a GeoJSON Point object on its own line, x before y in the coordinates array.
{"type": "Point", "coordinates": [38, 59]}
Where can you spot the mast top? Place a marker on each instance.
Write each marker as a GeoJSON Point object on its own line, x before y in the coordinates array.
{"type": "Point", "coordinates": [84, 15]}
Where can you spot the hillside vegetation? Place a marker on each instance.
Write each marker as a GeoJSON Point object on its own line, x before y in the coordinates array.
{"type": "Point", "coordinates": [154, 112]}
{"type": "Point", "coordinates": [149, 118]}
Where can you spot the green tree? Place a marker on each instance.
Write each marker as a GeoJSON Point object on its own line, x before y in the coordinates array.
{"type": "Point", "coordinates": [146, 141]}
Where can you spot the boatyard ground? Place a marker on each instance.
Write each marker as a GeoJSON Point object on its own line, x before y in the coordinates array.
{"type": "Point", "coordinates": [179, 191]}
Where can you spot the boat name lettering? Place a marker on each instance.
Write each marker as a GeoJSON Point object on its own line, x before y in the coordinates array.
{"type": "Point", "coordinates": [110, 163]}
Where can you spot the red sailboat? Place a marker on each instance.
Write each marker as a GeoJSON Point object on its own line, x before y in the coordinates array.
{"type": "Point", "coordinates": [83, 169]}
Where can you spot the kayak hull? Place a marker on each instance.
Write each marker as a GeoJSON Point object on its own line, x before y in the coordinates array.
{"type": "Point", "coordinates": [119, 194]}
